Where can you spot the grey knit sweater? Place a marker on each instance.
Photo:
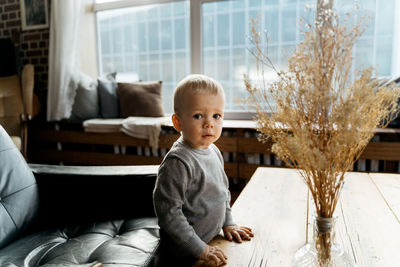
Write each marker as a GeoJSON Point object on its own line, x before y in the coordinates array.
{"type": "Point", "coordinates": [191, 196]}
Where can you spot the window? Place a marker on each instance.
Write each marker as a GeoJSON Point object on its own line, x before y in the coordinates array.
{"type": "Point", "coordinates": [146, 43]}
{"type": "Point", "coordinates": [376, 46]}
{"type": "Point", "coordinates": [167, 40]}
{"type": "Point", "coordinates": [225, 46]}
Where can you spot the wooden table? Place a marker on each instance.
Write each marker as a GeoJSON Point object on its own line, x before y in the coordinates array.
{"type": "Point", "coordinates": [276, 205]}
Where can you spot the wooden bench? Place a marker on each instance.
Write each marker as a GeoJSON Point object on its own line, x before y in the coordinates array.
{"type": "Point", "coordinates": [67, 143]}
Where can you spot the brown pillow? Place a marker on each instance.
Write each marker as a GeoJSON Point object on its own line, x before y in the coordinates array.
{"type": "Point", "coordinates": [140, 99]}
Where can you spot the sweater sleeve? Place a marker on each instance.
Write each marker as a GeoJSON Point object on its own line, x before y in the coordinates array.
{"type": "Point", "coordinates": [228, 213]}
{"type": "Point", "coordinates": [168, 197]}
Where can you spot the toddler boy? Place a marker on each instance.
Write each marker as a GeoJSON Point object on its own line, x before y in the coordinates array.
{"type": "Point", "coordinates": [191, 196]}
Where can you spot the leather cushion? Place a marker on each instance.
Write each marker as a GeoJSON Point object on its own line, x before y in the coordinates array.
{"type": "Point", "coordinates": [18, 191]}
{"type": "Point", "coordinates": [119, 243]}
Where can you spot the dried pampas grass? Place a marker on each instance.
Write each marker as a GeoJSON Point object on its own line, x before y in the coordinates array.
{"type": "Point", "coordinates": [319, 120]}
{"type": "Point", "coordinates": [317, 116]}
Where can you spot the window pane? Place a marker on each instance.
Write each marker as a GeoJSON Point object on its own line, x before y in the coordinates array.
{"type": "Point", "coordinates": [167, 96]}
{"type": "Point", "coordinates": [129, 62]}
{"type": "Point", "coordinates": [165, 11]}
{"type": "Point", "coordinates": [227, 58]}
{"type": "Point", "coordinates": [180, 34]}
{"type": "Point", "coordinates": [209, 62]}
{"type": "Point", "coordinates": [209, 8]}
{"type": "Point", "coordinates": [166, 36]}
{"type": "Point", "coordinates": [128, 42]}
{"type": "Point", "coordinates": [273, 52]}
{"type": "Point", "coordinates": [238, 21]}
{"type": "Point", "coordinates": [148, 42]}
{"type": "Point", "coordinates": [117, 37]}
{"type": "Point", "coordinates": [254, 3]}
{"type": "Point", "coordinates": [367, 11]}
{"type": "Point", "coordinates": [155, 66]}
{"type": "Point", "coordinates": [271, 18]}
{"type": "Point", "coordinates": [208, 31]}
{"type": "Point", "coordinates": [153, 35]}
{"type": "Point", "coordinates": [289, 23]}
{"type": "Point", "coordinates": [239, 4]}
{"type": "Point", "coordinates": [105, 37]}
{"type": "Point", "coordinates": [385, 17]}
{"type": "Point", "coordinates": [375, 46]}
{"type": "Point", "coordinates": [167, 70]}
{"type": "Point", "coordinates": [119, 63]}
{"type": "Point", "coordinates": [108, 66]}
{"type": "Point", "coordinates": [226, 24]}
{"type": "Point", "coordinates": [223, 30]}
{"type": "Point", "coordinates": [142, 41]}
{"type": "Point", "coordinates": [384, 56]}
{"type": "Point", "coordinates": [239, 68]}
{"type": "Point", "coordinates": [180, 8]}
{"type": "Point", "coordinates": [238, 63]}
{"type": "Point", "coordinates": [181, 60]}
{"type": "Point", "coordinates": [223, 65]}
{"type": "Point", "coordinates": [251, 66]}
{"type": "Point", "coordinates": [364, 53]}
{"type": "Point", "coordinates": [143, 62]}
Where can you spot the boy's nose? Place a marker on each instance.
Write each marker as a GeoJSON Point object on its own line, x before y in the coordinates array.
{"type": "Point", "coordinates": [208, 124]}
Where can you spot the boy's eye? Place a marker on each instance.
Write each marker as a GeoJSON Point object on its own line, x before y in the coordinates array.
{"type": "Point", "coordinates": [217, 116]}
{"type": "Point", "coordinates": [197, 116]}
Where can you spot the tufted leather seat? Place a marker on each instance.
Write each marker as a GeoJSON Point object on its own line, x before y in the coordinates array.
{"type": "Point", "coordinates": [64, 216]}
{"type": "Point", "coordinates": [113, 243]}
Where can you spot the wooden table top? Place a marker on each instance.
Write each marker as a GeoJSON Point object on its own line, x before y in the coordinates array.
{"type": "Point", "coordinates": [276, 205]}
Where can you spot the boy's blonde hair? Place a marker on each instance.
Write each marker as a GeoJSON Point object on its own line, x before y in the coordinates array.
{"type": "Point", "coordinates": [196, 83]}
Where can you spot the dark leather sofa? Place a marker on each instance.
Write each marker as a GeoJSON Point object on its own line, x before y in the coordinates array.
{"type": "Point", "coordinates": [75, 216]}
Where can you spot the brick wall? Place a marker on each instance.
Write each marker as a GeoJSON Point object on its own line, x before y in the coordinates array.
{"type": "Point", "coordinates": [33, 45]}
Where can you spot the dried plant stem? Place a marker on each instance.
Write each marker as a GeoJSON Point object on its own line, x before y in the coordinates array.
{"type": "Point", "coordinates": [320, 120]}
{"type": "Point", "coordinates": [323, 244]}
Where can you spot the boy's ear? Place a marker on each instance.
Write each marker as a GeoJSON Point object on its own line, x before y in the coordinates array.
{"type": "Point", "coordinates": [176, 122]}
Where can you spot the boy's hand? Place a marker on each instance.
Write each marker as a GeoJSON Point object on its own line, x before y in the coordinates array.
{"type": "Point", "coordinates": [215, 254]}
{"type": "Point", "coordinates": [239, 233]}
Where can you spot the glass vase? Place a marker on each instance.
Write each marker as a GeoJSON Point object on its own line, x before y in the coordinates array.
{"type": "Point", "coordinates": [322, 250]}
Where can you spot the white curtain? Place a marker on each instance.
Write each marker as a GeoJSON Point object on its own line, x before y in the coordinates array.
{"type": "Point", "coordinates": [63, 53]}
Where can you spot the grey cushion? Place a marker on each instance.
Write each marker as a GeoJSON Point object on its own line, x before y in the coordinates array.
{"type": "Point", "coordinates": [18, 191]}
{"type": "Point", "coordinates": [140, 99]}
{"type": "Point", "coordinates": [86, 103]}
{"type": "Point", "coordinates": [108, 97]}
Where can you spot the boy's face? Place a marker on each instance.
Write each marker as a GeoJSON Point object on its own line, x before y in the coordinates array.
{"type": "Point", "coordinates": [200, 119]}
